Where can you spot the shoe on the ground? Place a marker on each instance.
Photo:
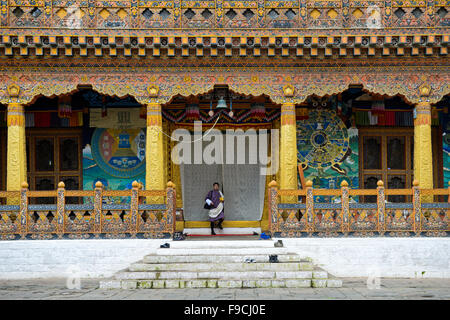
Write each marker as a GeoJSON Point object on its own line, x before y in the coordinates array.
{"type": "Point", "coordinates": [278, 244]}
{"type": "Point", "coordinates": [273, 258]}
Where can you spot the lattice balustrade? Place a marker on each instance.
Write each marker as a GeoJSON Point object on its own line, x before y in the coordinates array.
{"type": "Point", "coordinates": [317, 215]}
{"type": "Point", "coordinates": [9, 222]}
{"type": "Point", "coordinates": [95, 218]}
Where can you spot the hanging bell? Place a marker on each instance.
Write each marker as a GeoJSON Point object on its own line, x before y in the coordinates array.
{"type": "Point", "coordinates": [221, 104]}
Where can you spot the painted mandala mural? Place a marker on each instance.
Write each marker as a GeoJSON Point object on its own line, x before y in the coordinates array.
{"type": "Point", "coordinates": [116, 157]}
{"type": "Point", "coordinates": [327, 150]}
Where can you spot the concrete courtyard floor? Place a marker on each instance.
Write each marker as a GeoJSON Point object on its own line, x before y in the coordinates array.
{"type": "Point", "coordinates": [353, 289]}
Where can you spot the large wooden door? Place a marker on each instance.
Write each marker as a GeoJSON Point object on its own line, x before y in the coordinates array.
{"type": "Point", "coordinates": [54, 155]}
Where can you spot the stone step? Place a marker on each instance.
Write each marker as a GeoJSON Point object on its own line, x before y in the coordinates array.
{"type": "Point", "coordinates": [221, 259]}
{"type": "Point", "coordinates": [264, 266]}
{"type": "Point", "coordinates": [213, 283]}
{"type": "Point", "coordinates": [221, 251]}
{"type": "Point", "coordinates": [224, 264]}
{"type": "Point", "coordinates": [220, 275]}
{"type": "Point", "coordinates": [222, 244]}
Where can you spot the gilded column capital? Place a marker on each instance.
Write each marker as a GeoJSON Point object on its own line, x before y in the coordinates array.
{"type": "Point", "coordinates": [422, 113]}
{"type": "Point", "coordinates": [15, 115]}
{"type": "Point", "coordinates": [154, 116]}
{"type": "Point", "coordinates": [288, 113]}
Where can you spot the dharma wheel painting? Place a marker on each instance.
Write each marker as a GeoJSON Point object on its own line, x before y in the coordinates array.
{"type": "Point", "coordinates": [327, 150]}
{"type": "Point", "coordinates": [116, 157]}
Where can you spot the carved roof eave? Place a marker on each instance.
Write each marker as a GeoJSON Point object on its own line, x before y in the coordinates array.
{"type": "Point", "coordinates": [389, 81]}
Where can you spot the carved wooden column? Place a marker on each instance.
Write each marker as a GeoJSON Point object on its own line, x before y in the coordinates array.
{"type": "Point", "coordinates": [171, 208]}
{"type": "Point", "coordinates": [273, 208]}
{"type": "Point", "coordinates": [16, 146]}
{"type": "Point", "coordinates": [381, 207]}
{"type": "Point", "coordinates": [134, 208]}
{"type": "Point", "coordinates": [309, 208]}
{"type": "Point", "coordinates": [423, 158]}
{"type": "Point", "coordinates": [60, 209]}
{"type": "Point", "coordinates": [98, 203]}
{"type": "Point", "coordinates": [345, 207]}
{"type": "Point", "coordinates": [288, 148]}
{"type": "Point", "coordinates": [154, 177]}
{"type": "Point", "coordinates": [23, 210]}
{"type": "Point", "coordinates": [417, 208]}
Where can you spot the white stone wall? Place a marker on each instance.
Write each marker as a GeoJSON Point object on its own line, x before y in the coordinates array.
{"type": "Point", "coordinates": [22, 259]}
{"type": "Point", "coordinates": [342, 257]}
{"type": "Point", "coordinates": [384, 257]}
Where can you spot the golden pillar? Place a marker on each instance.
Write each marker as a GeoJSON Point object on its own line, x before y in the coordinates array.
{"type": "Point", "coordinates": [154, 152]}
{"type": "Point", "coordinates": [423, 156]}
{"type": "Point", "coordinates": [288, 148]}
{"type": "Point", "coordinates": [16, 149]}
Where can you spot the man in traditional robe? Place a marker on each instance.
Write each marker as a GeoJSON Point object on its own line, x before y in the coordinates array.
{"type": "Point", "coordinates": [214, 201]}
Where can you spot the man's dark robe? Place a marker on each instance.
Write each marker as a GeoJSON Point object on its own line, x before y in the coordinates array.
{"type": "Point", "coordinates": [214, 196]}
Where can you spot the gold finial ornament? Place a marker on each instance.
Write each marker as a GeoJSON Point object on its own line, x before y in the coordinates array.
{"type": "Point", "coordinates": [309, 184]}
{"type": "Point", "coordinates": [288, 90]}
{"type": "Point", "coordinates": [135, 184]}
{"type": "Point", "coordinates": [424, 90]}
{"type": "Point", "coordinates": [98, 184]}
{"type": "Point", "coordinates": [170, 184]}
{"type": "Point", "coordinates": [61, 185]}
{"type": "Point", "coordinates": [14, 90]}
{"type": "Point", "coordinates": [380, 183]}
{"type": "Point", "coordinates": [344, 183]}
{"type": "Point", "coordinates": [153, 91]}
{"type": "Point", "coordinates": [415, 183]}
{"type": "Point", "coordinates": [24, 185]}
{"type": "Point", "coordinates": [272, 184]}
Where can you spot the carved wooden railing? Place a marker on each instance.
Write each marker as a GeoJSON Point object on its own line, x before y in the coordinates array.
{"type": "Point", "coordinates": [422, 215]}
{"type": "Point", "coordinates": [94, 218]}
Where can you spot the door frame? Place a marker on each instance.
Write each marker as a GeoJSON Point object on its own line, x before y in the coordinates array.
{"type": "Point", "coordinates": [56, 133]}
{"type": "Point", "coordinates": [403, 131]}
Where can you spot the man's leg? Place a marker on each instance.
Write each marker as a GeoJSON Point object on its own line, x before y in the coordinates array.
{"type": "Point", "coordinates": [220, 224]}
{"type": "Point", "coordinates": [212, 229]}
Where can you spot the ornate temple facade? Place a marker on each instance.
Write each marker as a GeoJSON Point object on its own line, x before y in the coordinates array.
{"type": "Point", "coordinates": [91, 92]}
